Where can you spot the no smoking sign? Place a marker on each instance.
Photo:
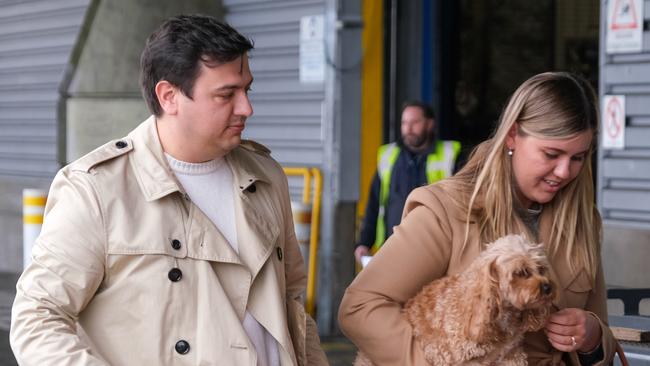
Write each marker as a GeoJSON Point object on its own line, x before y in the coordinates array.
{"type": "Point", "coordinates": [613, 118]}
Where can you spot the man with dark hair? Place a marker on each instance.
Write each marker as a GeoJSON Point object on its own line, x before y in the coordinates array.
{"type": "Point", "coordinates": [415, 160]}
{"type": "Point", "coordinates": [173, 245]}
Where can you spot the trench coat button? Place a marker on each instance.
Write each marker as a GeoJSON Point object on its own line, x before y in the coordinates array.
{"type": "Point", "coordinates": [175, 275]}
{"type": "Point", "coordinates": [176, 244]}
{"type": "Point", "coordinates": [251, 188]}
{"type": "Point", "coordinates": [182, 347]}
{"type": "Point", "coordinates": [121, 144]}
{"type": "Point", "coordinates": [279, 251]}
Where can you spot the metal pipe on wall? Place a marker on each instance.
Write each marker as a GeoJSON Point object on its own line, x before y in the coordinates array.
{"type": "Point", "coordinates": [392, 76]}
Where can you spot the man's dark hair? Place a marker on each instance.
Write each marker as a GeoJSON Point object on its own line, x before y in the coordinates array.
{"type": "Point", "coordinates": [426, 109]}
{"type": "Point", "coordinates": [174, 51]}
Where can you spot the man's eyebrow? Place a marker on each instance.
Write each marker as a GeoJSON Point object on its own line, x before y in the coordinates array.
{"type": "Point", "coordinates": [226, 87]}
{"type": "Point", "coordinates": [229, 87]}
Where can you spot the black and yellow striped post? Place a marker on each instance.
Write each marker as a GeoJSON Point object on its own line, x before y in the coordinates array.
{"type": "Point", "coordinates": [33, 209]}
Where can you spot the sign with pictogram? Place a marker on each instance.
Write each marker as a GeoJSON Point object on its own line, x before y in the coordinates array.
{"type": "Point", "coordinates": [613, 117]}
{"type": "Point", "coordinates": [624, 26]}
{"type": "Point", "coordinates": [312, 49]}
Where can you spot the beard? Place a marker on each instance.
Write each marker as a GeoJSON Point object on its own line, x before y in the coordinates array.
{"type": "Point", "coordinates": [415, 142]}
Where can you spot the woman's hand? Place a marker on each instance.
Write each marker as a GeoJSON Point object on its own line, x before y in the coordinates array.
{"type": "Point", "coordinates": [573, 329]}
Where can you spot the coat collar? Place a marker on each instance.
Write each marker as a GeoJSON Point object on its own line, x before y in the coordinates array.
{"type": "Point", "coordinates": [246, 170]}
{"type": "Point", "coordinates": [156, 178]}
{"type": "Point", "coordinates": [150, 166]}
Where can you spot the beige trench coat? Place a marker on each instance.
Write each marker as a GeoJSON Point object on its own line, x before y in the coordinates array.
{"type": "Point", "coordinates": [99, 290]}
{"type": "Point", "coordinates": [426, 246]}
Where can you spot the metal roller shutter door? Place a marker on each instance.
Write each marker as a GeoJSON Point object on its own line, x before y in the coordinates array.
{"type": "Point", "coordinates": [36, 38]}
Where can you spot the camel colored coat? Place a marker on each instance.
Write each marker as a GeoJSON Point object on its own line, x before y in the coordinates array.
{"type": "Point", "coordinates": [426, 246]}
{"type": "Point", "coordinates": [126, 266]}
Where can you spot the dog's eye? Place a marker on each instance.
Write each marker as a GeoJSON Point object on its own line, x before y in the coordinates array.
{"type": "Point", "coordinates": [525, 273]}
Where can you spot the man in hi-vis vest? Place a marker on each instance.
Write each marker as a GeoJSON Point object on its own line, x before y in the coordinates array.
{"type": "Point", "coordinates": [417, 159]}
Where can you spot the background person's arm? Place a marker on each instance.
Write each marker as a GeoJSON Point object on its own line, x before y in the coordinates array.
{"type": "Point", "coordinates": [369, 225]}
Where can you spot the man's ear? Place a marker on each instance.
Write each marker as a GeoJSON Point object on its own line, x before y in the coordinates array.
{"type": "Point", "coordinates": [431, 125]}
{"type": "Point", "coordinates": [167, 95]}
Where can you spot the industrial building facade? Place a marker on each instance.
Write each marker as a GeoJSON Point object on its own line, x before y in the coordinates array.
{"type": "Point", "coordinates": [68, 83]}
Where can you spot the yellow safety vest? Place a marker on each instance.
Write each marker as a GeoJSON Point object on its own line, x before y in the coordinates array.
{"type": "Point", "coordinates": [440, 164]}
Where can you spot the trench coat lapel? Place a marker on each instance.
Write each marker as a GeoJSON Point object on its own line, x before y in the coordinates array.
{"type": "Point", "coordinates": [213, 245]}
{"type": "Point", "coordinates": [257, 229]}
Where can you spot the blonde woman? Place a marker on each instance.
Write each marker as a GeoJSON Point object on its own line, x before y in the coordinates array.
{"type": "Point", "coordinates": [533, 177]}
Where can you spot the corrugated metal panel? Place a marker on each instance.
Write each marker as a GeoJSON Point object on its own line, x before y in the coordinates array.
{"type": "Point", "coordinates": [624, 175]}
{"type": "Point", "coordinates": [36, 38]}
{"type": "Point", "coordinates": [287, 114]}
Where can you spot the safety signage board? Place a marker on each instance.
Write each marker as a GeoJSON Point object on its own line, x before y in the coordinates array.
{"type": "Point", "coordinates": [613, 122]}
{"type": "Point", "coordinates": [312, 49]}
{"type": "Point", "coordinates": [624, 26]}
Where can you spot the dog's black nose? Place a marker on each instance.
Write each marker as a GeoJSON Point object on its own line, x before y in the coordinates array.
{"type": "Point", "coordinates": [546, 288]}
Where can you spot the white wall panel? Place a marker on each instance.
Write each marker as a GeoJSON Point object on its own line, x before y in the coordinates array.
{"type": "Point", "coordinates": [36, 39]}
{"type": "Point", "coordinates": [287, 114]}
{"type": "Point", "coordinates": [624, 175]}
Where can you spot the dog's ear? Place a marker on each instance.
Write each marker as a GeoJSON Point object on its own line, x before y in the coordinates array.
{"type": "Point", "coordinates": [483, 303]}
{"type": "Point", "coordinates": [535, 319]}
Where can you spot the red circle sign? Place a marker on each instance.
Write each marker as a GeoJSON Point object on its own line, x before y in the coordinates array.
{"type": "Point", "coordinates": [613, 117]}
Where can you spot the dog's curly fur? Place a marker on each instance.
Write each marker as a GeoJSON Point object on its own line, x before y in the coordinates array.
{"type": "Point", "coordinates": [479, 316]}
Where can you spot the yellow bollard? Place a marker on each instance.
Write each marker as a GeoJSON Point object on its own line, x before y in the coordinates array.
{"type": "Point", "coordinates": [308, 234]}
{"type": "Point", "coordinates": [33, 209]}
{"type": "Point", "coordinates": [302, 226]}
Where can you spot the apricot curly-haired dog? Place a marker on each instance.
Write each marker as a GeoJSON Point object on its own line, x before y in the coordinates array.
{"type": "Point", "coordinates": [479, 316]}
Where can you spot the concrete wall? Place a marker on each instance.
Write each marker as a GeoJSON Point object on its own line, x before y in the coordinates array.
{"type": "Point", "coordinates": [36, 38]}
{"type": "Point", "coordinates": [104, 95]}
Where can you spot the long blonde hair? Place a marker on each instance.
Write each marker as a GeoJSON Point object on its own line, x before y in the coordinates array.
{"type": "Point", "coordinates": [553, 105]}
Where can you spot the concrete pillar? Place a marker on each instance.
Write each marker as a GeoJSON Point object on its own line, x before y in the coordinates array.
{"type": "Point", "coordinates": [102, 97]}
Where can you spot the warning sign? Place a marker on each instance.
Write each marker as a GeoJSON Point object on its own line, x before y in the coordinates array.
{"type": "Point", "coordinates": [312, 49]}
{"type": "Point", "coordinates": [613, 118]}
{"type": "Point", "coordinates": [624, 26]}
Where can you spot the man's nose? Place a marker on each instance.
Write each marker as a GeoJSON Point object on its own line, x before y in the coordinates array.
{"type": "Point", "coordinates": [244, 106]}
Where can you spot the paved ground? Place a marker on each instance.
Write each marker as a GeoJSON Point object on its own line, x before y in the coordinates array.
{"type": "Point", "coordinates": [6, 356]}
{"type": "Point", "coordinates": [340, 351]}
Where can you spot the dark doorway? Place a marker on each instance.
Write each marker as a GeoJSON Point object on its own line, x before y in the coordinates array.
{"type": "Point", "coordinates": [504, 42]}
{"type": "Point", "coordinates": [467, 57]}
